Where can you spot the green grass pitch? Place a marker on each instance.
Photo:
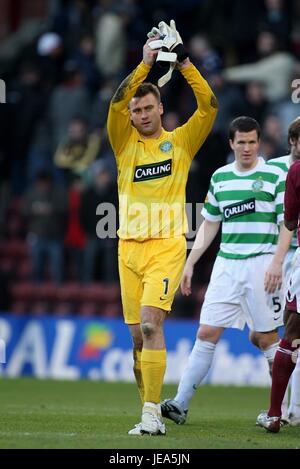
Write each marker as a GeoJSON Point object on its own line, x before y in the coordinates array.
{"type": "Point", "coordinates": [85, 414]}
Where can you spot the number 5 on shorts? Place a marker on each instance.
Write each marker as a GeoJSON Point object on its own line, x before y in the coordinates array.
{"type": "Point", "coordinates": [276, 304]}
{"type": "Point", "coordinates": [276, 307]}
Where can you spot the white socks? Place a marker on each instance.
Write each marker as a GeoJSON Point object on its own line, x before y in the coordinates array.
{"type": "Point", "coordinates": [197, 368]}
{"type": "Point", "coordinates": [269, 353]}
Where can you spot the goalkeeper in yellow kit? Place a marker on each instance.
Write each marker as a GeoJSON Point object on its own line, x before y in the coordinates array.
{"type": "Point", "coordinates": [153, 167]}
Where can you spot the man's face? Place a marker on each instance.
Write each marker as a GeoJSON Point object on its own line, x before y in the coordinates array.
{"type": "Point", "coordinates": [245, 146]}
{"type": "Point", "coordinates": [145, 114]}
{"type": "Point", "coordinates": [77, 130]}
{"type": "Point", "coordinates": [295, 149]}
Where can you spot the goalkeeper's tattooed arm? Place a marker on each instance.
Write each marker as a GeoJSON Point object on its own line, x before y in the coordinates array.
{"type": "Point", "coordinates": [121, 91]}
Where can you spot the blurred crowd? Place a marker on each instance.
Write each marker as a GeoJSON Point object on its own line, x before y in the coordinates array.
{"type": "Point", "coordinates": [54, 154]}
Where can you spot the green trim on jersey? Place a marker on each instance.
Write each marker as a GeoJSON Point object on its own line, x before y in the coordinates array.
{"type": "Point", "coordinates": [250, 207]}
{"type": "Point", "coordinates": [239, 256]}
{"type": "Point", "coordinates": [263, 217]}
{"type": "Point", "coordinates": [229, 175]}
{"type": "Point", "coordinates": [249, 238]}
{"type": "Point", "coordinates": [243, 195]}
{"type": "Point", "coordinates": [279, 165]}
{"type": "Point", "coordinates": [284, 163]}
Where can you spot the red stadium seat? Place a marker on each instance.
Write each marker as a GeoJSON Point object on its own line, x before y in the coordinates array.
{"type": "Point", "coordinates": [87, 309]}
{"type": "Point", "coordinates": [63, 308]}
{"type": "Point", "coordinates": [8, 265]}
{"type": "Point", "coordinates": [47, 291]}
{"type": "Point", "coordinates": [93, 292]}
{"type": "Point", "coordinates": [39, 308]}
{"type": "Point", "coordinates": [19, 308]}
{"type": "Point", "coordinates": [69, 292]}
{"type": "Point", "coordinates": [14, 248]}
{"type": "Point", "coordinates": [113, 310]}
{"type": "Point", "coordinates": [24, 270]}
{"type": "Point", "coordinates": [23, 291]}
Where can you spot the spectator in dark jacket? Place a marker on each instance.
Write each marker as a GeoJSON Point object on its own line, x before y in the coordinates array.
{"type": "Point", "coordinates": [45, 206]}
{"type": "Point", "coordinates": [100, 250]}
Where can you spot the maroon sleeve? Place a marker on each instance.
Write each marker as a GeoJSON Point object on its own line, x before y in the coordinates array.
{"type": "Point", "coordinates": [292, 193]}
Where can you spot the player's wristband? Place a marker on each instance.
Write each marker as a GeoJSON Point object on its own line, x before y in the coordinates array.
{"type": "Point", "coordinates": [181, 52]}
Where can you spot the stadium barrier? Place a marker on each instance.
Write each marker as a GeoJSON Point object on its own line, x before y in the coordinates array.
{"type": "Point", "coordinates": [100, 349]}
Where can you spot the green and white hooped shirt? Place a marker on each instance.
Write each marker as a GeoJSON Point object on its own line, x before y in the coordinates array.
{"type": "Point", "coordinates": [250, 207]}
{"type": "Point", "coordinates": [284, 163]}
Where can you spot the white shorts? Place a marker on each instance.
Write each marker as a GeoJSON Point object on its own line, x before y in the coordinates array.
{"type": "Point", "coordinates": [236, 296]}
{"type": "Point", "coordinates": [293, 287]}
{"type": "Point", "coordinates": [287, 267]}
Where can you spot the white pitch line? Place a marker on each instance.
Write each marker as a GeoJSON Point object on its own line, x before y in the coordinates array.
{"type": "Point", "coordinates": [34, 434]}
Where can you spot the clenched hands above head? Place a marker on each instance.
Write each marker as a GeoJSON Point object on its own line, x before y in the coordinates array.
{"type": "Point", "coordinates": [149, 55]}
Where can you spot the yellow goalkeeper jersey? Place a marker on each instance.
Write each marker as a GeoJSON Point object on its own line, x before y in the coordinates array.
{"type": "Point", "coordinates": [153, 172]}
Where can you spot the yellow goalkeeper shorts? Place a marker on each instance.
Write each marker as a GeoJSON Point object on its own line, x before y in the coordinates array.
{"type": "Point", "coordinates": [150, 273]}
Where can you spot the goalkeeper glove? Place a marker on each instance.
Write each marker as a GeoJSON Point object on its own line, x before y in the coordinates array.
{"type": "Point", "coordinates": [156, 43]}
{"type": "Point", "coordinates": [166, 57]}
{"type": "Point", "coordinates": [171, 48]}
{"type": "Point", "coordinates": [171, 44]}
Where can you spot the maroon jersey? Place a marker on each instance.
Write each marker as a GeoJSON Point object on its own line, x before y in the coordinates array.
{"type": "Point", "coordinates": [292, 196]}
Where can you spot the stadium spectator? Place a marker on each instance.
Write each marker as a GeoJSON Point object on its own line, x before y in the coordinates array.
{"type": "Point", "coordinates": [68, 100]}
{"type": "Point", "coordinates": [51, 56]}
{"type": "Point", "coordinates": [230, 100]}
{"type": "Point", "coordinates": [45, 207]}
{"type": "Point", "coordinates": [235, 295]}
{"type": "Point", "coordinates": [277, 19]}
{"type": "Point", "coordinates": [75, 238]}
{"type": "Point", "coordinates": [287, 110]}
{"type": "Point", "coordinates": [256, 103]}
{"type": "Point", "coordinates": [204, 56]}
{"type": "Point", "coordinates": [153, 166]}
{"type": "Point", "coordinates": [100, 104]}
{"type": "Point", "coordinates": [275, 69]}
{"type": "Point", "coordinates": [268, 147]}
{"type": "Point", "coordinates": [111, 39]}
{"type": "Point", "coordinates": [243, 18]}
{"type": "Point", "coordinates": [84, 56]}
{"type": "Point", "coordinates": [26, 101]}
{"type": "Point", "coordinates": [272, 128]}
{"type": "Point", "coordinates": [79, 149]}
{"type": "Point", "coordinates": [100, 252]}
{"type": "Point", "coordinates": [71, 19]}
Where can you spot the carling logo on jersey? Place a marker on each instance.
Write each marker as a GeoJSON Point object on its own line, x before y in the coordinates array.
{"type": "Point", "coordinates": [153, 171]}
{"type": "Point", "coordinates": [239, 208]}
